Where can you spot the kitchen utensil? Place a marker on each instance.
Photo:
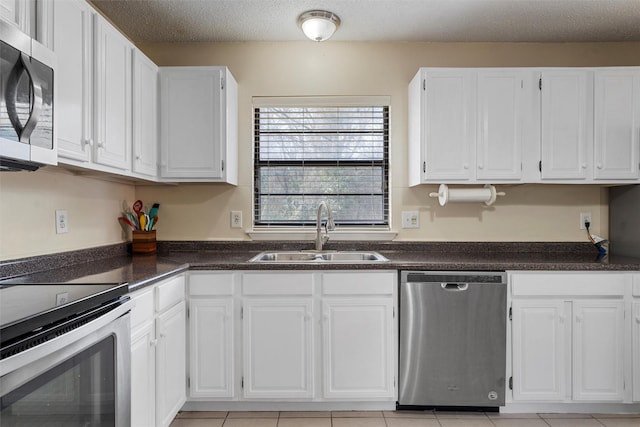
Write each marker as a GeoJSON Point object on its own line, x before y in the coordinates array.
{"type": "Point", "coordinates": [143, 221]}
{"type": "Point", "coordinates": [126, 220]}
{"type": "Point", "coordinates": [137, 207]}
{"type": "Point", "coordinates": [154, 210]}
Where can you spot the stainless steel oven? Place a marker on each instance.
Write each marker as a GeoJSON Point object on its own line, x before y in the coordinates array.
{"type": "Point", "coordinates": [65, 355]}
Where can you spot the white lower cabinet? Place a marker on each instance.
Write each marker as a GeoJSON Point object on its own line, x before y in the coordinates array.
{"type": "Point", "coordinates": [636, 337]}
{"type": "Point", "coordinates": [158, 349]}
{"type": "Point", "coordinates": [540, 330]}
{"type": "Point", "coordinates": [636, 350]}
{"type": "Point", "coordinates": [296, 336]}
{"type": "Point", "coordinates": [357, 346]}
{"type": "Point", "coordinates": [278, 347]}
{"type": "Point", "coordinates": [598, 359]}
{"type": "Point", "coordinates": [568, 337]}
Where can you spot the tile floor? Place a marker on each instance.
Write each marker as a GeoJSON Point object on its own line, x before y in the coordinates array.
{"type": "Point", "coordinates": [398, 419]}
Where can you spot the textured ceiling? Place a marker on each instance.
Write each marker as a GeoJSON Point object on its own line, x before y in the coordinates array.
{"type": "Point", "coordinates": [379, 20]}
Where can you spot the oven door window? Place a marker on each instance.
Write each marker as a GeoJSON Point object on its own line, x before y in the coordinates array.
{"type": "Point", "coordinates": [78, 392]}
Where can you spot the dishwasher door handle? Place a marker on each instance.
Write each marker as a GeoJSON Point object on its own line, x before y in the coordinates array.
{"type": "Point", "coordinates": [454, 287]}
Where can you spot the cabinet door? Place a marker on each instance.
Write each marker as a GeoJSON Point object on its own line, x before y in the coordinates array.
{"type": "Point", "coordinates": [358, 358]}
{"type": "Point", "coordinates": [170, 361]}
{"type": "Point", "coordinates": [145, 115]}
{"type": "Point", "coordinates": [18, 13]}
{"type": "Point", "coordinates": [449, 121]}
{"type": "Point", "coordinates": [636, 351]}
{"type": "Point", "coordinates": [617, 124]}
{"type": "Point", "coordinates": [598, 366]}
{"type": "Point", "coordinates": [211, 354]}
{"type": "Point", "coordinates": [501, 94]}
{"type": "Point", "coordinates": [73, 45]}
{"type": "Point", "coordinates": [278, 348]}
{"type": "Point", "coordinates": [567, 99]}
{"type": "Point", "coordinates": [143, 377]}
{"type": "Point", "coordinates": [191, 123]}
{"type": "Point", "coordinates": [112, 62]}
{"type": "Point", "coordinates": [540, 354]}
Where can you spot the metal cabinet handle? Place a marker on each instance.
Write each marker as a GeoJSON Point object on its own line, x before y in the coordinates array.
{"type": "Point", "coordinates": [24, 132]}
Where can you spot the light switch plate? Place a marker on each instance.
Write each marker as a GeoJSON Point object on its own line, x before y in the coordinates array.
{"type": "Point", "coordinates": [410, 219]}
{"type": "Point", "coordinates": [62, 222]}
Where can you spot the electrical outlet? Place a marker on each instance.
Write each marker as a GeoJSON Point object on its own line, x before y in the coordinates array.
{"type": "Point", "coordinates": [585, 217]}
{"type": "Point", "coordinates": [236, 219]}
{"type": "Point", "coordinates": [62, 298]}
{"type": "Point", "coordinates": [62, 221]}
{"type": "Point", "coordinates": [410, 219]}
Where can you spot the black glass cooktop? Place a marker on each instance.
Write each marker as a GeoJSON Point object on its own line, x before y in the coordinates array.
{"type": "Point", "coordinates": [27, 308]}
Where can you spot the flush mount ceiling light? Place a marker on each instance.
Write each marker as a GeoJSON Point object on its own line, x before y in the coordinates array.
{"type": "Point", "coordinates": [318, 25]}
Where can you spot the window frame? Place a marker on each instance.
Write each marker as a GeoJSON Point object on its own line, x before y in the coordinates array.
{"type": "Point", "coordinates": [324, 101]}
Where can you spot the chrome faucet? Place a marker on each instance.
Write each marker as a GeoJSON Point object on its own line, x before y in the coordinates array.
{"type": "Point", "coordinates": [329, 226]}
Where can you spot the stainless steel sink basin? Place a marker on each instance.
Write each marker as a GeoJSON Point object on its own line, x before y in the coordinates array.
{"type": "Point", "coordinates": [318, 257]}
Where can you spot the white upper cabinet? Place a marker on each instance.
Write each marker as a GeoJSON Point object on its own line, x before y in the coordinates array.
{"type": "Point", "coordinates": [502, 109]}
{"type": "Point", "coordinates": [145, 115]}
{"type": "Point", "coordinates": [617, 123]}
{"type": "Point", "coordinates": [18, 13]}
{"type": "Point", "coordinates": [73, 45]}
{"type": "Point", "coordinates": [112, 58]}
{"type": "Point", "coordinates": [442, 125]}
{"type": "Point", "coordinates": [198, 111]}
{"type": "Point", "coordinates": [468, 125]}
{"type": "Point", "coordinates": [94, 89]}
{"type": "Point", "coordinates": [566, 123]}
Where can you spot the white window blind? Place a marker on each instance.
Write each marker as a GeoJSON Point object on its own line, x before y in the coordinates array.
{"type": "Point", "coordinates": [305, 154]}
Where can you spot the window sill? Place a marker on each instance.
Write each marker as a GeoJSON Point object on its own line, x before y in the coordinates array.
{"type": "Point", "coordinates": [340, 235]}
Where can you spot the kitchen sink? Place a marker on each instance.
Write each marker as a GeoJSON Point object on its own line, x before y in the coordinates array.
{"type": "Point", "coordinates": [313, 257]}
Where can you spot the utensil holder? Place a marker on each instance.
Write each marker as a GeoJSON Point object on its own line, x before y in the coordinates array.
{"type": "Point", "coordinates": [144, 242]}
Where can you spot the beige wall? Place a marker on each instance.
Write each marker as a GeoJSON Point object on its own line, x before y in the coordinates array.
{"type": "Point", "coordinates": [28, 201]}
{"type": "Point", "coordinates": [201, 211]}
{"type": "Point", "coordinates": [527, 213]}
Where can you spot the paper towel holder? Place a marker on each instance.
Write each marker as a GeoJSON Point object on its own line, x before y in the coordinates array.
{"type": "Point", "coordinates": [487, 195]}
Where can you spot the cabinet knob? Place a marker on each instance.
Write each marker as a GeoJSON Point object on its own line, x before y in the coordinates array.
{"type": "Point", "coordinates": [100, 144]}
{"type": "Point", "coordinates": [137, 157]}
{"type": "Point", "coordinates": [162, 336]}
{"type": "Point", "coordinates": [466, 166]}
{"type": "Point", "coordinates": [599, 165]}
{"type": "Point", "coordinates": [637, 319]}
{"type": "Point", "coordinates": [479, 167]}
{"type": "Point", "coordinates": [584, 166]}
{"type": "Point", "coordinates": [153, 343]}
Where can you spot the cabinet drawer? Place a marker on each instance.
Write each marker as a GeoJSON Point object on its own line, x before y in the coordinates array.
{"type": "Point", "coordinates": [203, 284]}
{"type": "Point", "coordinates": [170, 292]}
{"type": "Point", "coordinates": [356, 283]}
{"type": "Point", "coordinates": [572, 284]}
{"type": "Point", "coordinates": [277, 284]}
{"type": "Point", "coordinates": [142, 312]}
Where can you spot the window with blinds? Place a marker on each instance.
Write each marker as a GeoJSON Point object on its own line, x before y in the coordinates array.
{"type": "Point", "coordinates": [307, 154]}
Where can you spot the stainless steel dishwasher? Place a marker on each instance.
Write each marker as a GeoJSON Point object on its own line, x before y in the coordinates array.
{"type": "Point", "coordinates": [452, 339]}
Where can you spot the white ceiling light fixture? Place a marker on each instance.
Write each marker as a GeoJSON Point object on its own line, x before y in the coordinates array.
{"type": "Point", "coordinates": [318, 25]}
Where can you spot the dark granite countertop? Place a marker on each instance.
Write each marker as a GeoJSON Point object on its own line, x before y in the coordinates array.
{"type": "Point", "coordinates": [114, 264]}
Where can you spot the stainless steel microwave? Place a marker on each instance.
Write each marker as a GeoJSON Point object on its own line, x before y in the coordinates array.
{"type": "Point", "coordinates": [27, 139]}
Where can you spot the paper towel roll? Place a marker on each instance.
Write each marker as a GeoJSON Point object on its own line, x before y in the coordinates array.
{"type": "Point", "coordinates": [486, 195]}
